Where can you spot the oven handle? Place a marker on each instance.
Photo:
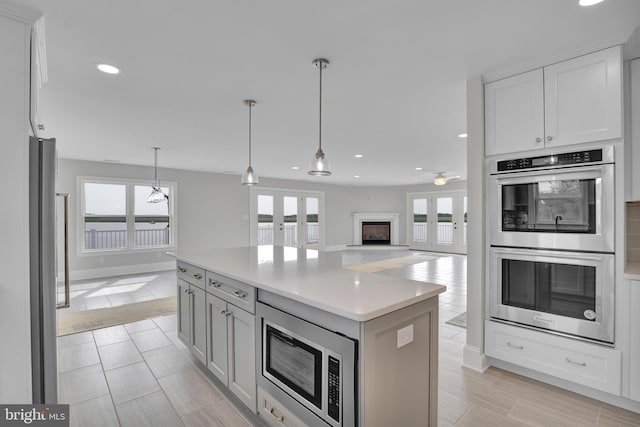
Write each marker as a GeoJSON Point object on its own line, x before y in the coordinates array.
{"type": "Point", "coordinates": [580, 172]}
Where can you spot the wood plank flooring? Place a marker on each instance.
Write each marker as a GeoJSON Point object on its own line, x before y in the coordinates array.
{"type": "Point", "coordinates": [145, 377]}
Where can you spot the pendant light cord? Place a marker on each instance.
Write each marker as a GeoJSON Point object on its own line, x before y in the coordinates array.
{"type": "Point", "coordinates": [155, 166]}
{"type": "Point", "coordinates": [250, 106]}
{"type": "Point", "coordinates": [320, 66]}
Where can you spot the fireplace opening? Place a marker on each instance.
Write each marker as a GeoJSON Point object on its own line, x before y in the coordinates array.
{"type": "Point", "coordinates": [376, 233]}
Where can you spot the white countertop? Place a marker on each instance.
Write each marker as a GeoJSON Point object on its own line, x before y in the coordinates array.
{"type": "Point", "coordinates": [632, 271]}
{"type": "Point", "coordinates": [314, 278]}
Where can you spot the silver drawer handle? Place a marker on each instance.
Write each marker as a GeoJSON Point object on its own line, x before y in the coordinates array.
{"type": "Point", "coordinates": [186, 291]}
{"type": "Point", "coordinates": [519, 347]}
{"type": "Point", "coordinates": [182, 270]}
{"type": "Point", "coordinates": [223, 312]}
{"type": "Point", "coordinates": [214, 283]}
{"type": "Point", "coordinates": [576, 363]}
{"type": "Point", "coordinates": [197, 276]}
{"type": "Point", "coordinates": [549, 138]}
{"type": "Point", "coordinates": [278, 418]}
{"type": "Point", "coordinates": [538, 139]}
{"type": "Point", "coordinates": [240, 294]}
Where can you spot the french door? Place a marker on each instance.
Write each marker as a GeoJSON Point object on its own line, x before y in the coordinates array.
{"type": "Point", "coordinates": [287, 218]}
{"type": "Point", "coordinates": [437, 221]}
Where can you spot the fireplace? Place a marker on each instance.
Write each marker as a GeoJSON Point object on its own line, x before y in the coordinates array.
{"type": "Point", "coordinates": [376, 232]}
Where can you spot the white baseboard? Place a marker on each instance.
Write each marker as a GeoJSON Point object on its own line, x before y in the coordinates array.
{"type": "Point", "coordinates": [377, 247]}
{"type": "Point", "coordinates": [95, 273]}
{"type": "Point", "coordinates": [473, 358]}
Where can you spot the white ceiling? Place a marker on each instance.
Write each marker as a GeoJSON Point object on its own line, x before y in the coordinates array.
{"type": "Point", "coordinates": [394, 92]}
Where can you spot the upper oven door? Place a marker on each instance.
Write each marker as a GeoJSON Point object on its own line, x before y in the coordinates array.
{"type": "Point", "coordinates": [563, 208]}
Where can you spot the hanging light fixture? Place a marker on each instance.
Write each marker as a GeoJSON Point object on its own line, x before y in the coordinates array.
{"type": "Point", "coordinates": [320, 164]}
{"type": "Point", "coordinates": [249, 178]}
{"type": "Point", "coordinates": [156, 195]}
{"type": "Point", "coordinates": [440, 179]}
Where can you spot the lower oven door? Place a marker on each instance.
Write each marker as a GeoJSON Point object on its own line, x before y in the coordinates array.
{"type": "Point", "coordinates": [564, 292]}
{"type": "Point", "coordinates": [313, 368]}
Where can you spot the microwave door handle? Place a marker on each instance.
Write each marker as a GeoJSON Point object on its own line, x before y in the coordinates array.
{"type": "Point", "coordinates": [284, 338]}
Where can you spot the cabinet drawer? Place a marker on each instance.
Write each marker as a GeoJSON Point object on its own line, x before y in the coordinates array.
{"type": "Point", "coordinates": [591, 365]}
{"type": "Point", "coordinates": [230, 290]}
{"type": "Point", "coordinates": [273, 413]}
{"type": "Point", "coordinates": [191, 274]}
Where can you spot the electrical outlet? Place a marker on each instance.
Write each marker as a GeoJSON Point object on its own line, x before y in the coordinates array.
{"type": "Point", "coordinates": [405, 336]}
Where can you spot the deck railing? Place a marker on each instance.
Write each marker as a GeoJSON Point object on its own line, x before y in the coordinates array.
{"type": "Point", "coordinates": [445, 232]}
{"type": "Point", "coordinates": [117, 239]}
{"type": "Point", "coordinates": [265, 233]}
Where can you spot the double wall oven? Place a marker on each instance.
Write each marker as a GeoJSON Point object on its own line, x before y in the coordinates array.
{"type": "Point", "coordinates": [551, 231]}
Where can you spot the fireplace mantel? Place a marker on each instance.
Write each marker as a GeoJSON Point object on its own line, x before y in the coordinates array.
{"type": "Point", "coordinates": [393, 218]}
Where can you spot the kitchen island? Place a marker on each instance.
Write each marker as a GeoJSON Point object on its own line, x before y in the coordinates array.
{"type": "Point", "coordinates": [364, 344]}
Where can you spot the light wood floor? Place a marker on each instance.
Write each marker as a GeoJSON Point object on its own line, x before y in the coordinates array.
{"type": "Point", "coordinates": [140, 374]}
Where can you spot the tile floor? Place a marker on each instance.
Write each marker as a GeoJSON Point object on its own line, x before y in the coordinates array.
{"type": "Point", "coordinates": [140, 374]}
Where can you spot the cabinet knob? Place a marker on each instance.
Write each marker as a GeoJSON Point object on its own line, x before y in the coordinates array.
{"type": "Point", "coordinates": [186, 291]}
{"type": "Point", "coordinates": [549, 138]}
{"type": "Point", "coordinates": [538, 139]}
{"type": "Point", "coordinates": [240, 294]}
{"type": "Point", "coordinates": [197, 276]}
{"type": "Point", "coordinates": [182, 270]}
{"type": "Point", "coordinates": [214, 283]}
{"type": "Point", "coordinates": [40, 126]}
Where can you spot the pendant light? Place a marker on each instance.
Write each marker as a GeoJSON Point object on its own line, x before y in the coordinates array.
{"type": "Point", "coordinates": [320, 164]}
{"type": "Point", "coordinates": [156, 195]}
{"type": "Point", "coordinates": [249, 178]}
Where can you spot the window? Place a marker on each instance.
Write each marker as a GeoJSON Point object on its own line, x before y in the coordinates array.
{"type": "Point", "coordinates": [116, 216]}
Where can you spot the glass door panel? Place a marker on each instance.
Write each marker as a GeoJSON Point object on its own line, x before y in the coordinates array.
{"type": "Point", "coordinates": [265, 219]}
{"type": "Point", "coordinates": [444, 207]}
{"type": "Point", "coordinates": [289, 224]}
{"type": "Point", "coordinates": [420, 231]}
{"type": "Point", "coordinates": [313, 226]}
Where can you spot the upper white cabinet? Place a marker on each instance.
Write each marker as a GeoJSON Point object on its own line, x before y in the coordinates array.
{"type": "Point", "coordinates": [514, 113]}
{"type": "Point", "coordinates": [571, 102]}
{"type": "Point", "coordinates": [633, 160]}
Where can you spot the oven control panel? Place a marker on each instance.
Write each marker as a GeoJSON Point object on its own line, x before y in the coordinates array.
{"type": "Point", "coordinates": [333, 406]}
{"type": "Point", "coordinates": [563, 159]}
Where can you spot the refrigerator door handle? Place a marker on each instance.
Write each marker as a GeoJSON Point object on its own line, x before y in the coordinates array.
{"type": "Point", "coordinates": [67, 301]}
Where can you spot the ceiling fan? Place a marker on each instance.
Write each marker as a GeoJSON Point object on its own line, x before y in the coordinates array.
{"type": "Point", "coordinates": [442, 179]}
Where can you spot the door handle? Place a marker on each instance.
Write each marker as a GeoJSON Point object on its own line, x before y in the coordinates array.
{"type": "Point", "coordinates": [67, 299]}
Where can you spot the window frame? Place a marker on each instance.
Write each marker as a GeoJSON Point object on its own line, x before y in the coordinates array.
{"type": "Point", "coordinates": [130, 216]}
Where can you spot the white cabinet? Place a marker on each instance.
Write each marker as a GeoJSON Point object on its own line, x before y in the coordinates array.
{"type": "Point", "coordinates": [231, 348]}
{"type": "Point", "coordinates": [634, 348]}
{"type": "Point", "coordinates": [633, 192]}
{"type": "Point", "coordinates": [191, 318]}
{"type": "Point", "coordinates": [583, 363]}
{"type": "Point", "coordinates": [514, 118]}
{"type": "Point", "coordinates": [571, 102]}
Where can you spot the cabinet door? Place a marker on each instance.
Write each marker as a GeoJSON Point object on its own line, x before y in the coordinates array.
{"type": "Point", "coordinates": [217, 337]}
{"type": "Point", "coordinates": [634, 351]}
{"type": "Point", "coordinates": [184, 316]}
{"type": "Point", "coordinates": [634, 159]}
{"type": "Point", "coordinates": [198, 341]}
{"type": "Point", "coordinates": [514, 114]}
{"type": "Point", "coordinates": [583, 98]}
{"type": "Point", "coordinates": [242, 356]}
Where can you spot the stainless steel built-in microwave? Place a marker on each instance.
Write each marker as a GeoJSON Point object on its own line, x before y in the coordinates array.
{"type": "Point", "coordinates": [310, 369]}
{"type": "Point", "coordinates": [554, 201]}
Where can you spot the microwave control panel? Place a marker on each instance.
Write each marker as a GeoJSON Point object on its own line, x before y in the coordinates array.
{"type": "Point", "coordinates": [563, 159]}
{"type": "Point", "coordinates": [333, 406]}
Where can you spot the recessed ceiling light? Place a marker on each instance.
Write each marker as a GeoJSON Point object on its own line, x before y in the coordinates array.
{"type": "Point", "coordinates": [418, 169]}
{"type": "Point", "coordinates": [295, 168]}
{"type": "Point", "coordinates": [358, 156]}
{"type": "Point", "coordinates": [109, 69]}
{"type": "Point", "coordinates": [462, 135]}
{"type": "Point", "coordinates": [589, 2]}
{"type": "Point", "coordinates": [356, 176]}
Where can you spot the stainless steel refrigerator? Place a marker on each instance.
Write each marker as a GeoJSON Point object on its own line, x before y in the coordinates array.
{"type": "Point", "coordinates": [43, 286]}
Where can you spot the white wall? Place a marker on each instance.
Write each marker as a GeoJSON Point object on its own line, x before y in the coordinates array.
{"type": "Point", "coordinates": [15, 347]}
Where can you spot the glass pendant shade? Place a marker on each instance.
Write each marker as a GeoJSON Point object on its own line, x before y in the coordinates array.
{"type": "Point", "coordinates": [440, 180]}
{"type": "Point", "coordinates": [156, 195]}
{"type": "Point", "coordinates": [320, 164]}
{"type": "Point", "coordinates": [249, 177]}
